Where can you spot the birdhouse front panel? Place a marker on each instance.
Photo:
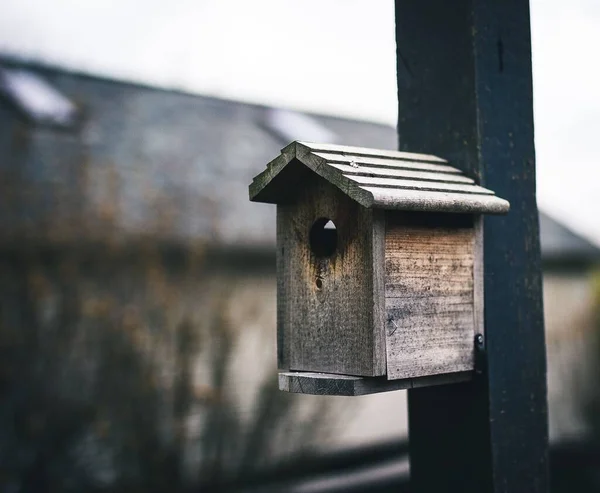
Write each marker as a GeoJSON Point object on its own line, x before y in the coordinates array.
{"type": "Point", "coordinates": [325, 291]}
{"type": "Point", "coordinates": [430, 293]}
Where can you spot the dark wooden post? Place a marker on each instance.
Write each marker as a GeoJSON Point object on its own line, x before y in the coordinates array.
{"type": "Point", "coordinates": [465, 93]}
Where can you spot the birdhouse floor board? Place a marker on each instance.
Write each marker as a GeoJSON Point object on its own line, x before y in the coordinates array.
{"type": "Point", "coordinates": [344, 385]}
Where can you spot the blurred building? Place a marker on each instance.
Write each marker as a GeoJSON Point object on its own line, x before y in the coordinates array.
{"type": "Point", "coordinates": [137, 295]}
{"type": "Point", "coordinates": [570, 281]}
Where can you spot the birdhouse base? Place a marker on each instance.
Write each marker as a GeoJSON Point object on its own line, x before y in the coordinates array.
{"type": "Point", "coordinates": [330, 384]}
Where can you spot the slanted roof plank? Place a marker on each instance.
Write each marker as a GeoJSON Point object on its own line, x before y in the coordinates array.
{"type": "Point", "coordinates": [393, 180]}
{"type": "Point", "coordinates": [262, 180]}
{"type": "Point", "coordinates": [419, 185]}
{"type": "Point", "coordinates": [401, 173]}
{"type": "Point", "coordinates": [408, 164]}
{"type": "Point", "coordinates": [432, 201]}
{"type": "Point", "coordinates": [366, 152]}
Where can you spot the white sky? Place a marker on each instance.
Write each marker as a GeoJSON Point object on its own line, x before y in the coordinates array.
{"type": "Point", "coordinates": [302, 53]}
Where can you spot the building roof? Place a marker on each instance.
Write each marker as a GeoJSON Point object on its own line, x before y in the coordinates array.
{"type": "Point", "coordinates": [148, 163]}
{"type": "Point", "coordinates": [378, 178]}
{"type": "Point", "coordinates": [561, 245]}
{"type": "Point", "coordinates": [39, 101]}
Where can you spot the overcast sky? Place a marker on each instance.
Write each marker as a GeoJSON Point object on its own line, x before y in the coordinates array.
{"type": "Point", "coordinates": [251, 51]}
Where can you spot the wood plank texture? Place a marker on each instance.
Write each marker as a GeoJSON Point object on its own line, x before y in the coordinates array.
{"type": "Point", "coordinates": [378, 276]}
{"type": "Point", "coordinates": [327, 318]}
{"type": "Point", "coordinates": [348, 169]}
{"type": "Point", "coordinates": [465, 93]}
{"type": "Point", "coordinates": [345, 385]}
{"type": "Point", "coordinates": [366, 152]}
{"type": "Point", "coordinates": [435, 201]}
{"type": "Point", "coordinates": [283, 281]}
{"type": "Point", "coordinates": [380, 162]}
{"type": "Point", "coordinates": [391, 181]}
{"type": "Point", "coordinates": [405, 184]}
{"type": "Point", "coordinates": [429, 294]}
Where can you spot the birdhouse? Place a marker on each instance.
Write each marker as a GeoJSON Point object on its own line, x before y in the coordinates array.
{"type": "Point", "coordinates": [379, 268]}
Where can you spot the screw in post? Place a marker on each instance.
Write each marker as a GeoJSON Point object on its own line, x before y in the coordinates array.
{"type": "Point", "coordinates": [479, 341]}
{"type": "Point", "coordinates": [479, 354]}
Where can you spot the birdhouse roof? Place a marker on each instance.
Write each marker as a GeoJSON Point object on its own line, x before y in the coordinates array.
{"type": "Point", "coordinates": [376, 178]}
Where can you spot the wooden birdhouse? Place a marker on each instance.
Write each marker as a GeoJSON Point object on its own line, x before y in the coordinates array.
{"type": "Point", "coordinates": [379, 267]}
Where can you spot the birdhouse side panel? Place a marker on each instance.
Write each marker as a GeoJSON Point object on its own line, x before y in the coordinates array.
{"type": "Point", "coordinates": [325, 285]}
{"type": "Point", "coordinates": [429, 294]}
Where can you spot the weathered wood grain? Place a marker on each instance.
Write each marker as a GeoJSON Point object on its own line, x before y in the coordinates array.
{"type": "Point", "coordinates": [434, 186]}
{"type": "Point", "coordinates": [378, 276]}
{"type": "Point", "coordinates": [363, 151]}
{"type": "Point", "coordinates": [434, 201]}
{"type": "Point", "coordinates": [346, 385]}
{"type": "Point", "coordinates": [439, 190]}
{"type": "Point", "coordinates": [465, 93]}
{"type": "Point", "coordinates": [478, 278]}
{"type": "Point", "coordinates": [328, 321]}
{"type": "Point", "coordinates": [283, 281]}
{"type": "Point", "coordinates": [429, 296]}
{"type": "Point", "coordinates": [382, 172]}
{"type": "Point", "coordinates": [381, 162]}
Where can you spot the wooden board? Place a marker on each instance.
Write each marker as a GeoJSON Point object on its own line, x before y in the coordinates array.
{"type": "Point", "coordinates": [355, 169]}
{"type": "Point", "coordinates": [365, 152]}
{"type": "Point", "coordinates": [328, 320]}
{"type": "Point", "coordinates": [438, 189]}
{"type": "Point", "coordinates": [345, 385]}
{"type": "Point", "coordinates": [429, 294]}
{"type": "Point", "coordinates": [383, 162]}
{"type": "Point", "coordinates": [465, 93]}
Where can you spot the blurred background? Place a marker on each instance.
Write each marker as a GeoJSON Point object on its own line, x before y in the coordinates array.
{"type": "Point", "coordinates": [137, 282]}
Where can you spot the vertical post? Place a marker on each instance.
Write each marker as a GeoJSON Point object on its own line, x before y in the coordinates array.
{"type": "Point", "coordinates": [465, 93]}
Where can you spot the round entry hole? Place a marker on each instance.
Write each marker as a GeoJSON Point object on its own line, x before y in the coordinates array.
{"type": "Point", "coordinates": [323, 237]}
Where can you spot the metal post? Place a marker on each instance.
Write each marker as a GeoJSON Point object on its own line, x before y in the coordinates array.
{"type": "Point", "coordinates": [465, 93]}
